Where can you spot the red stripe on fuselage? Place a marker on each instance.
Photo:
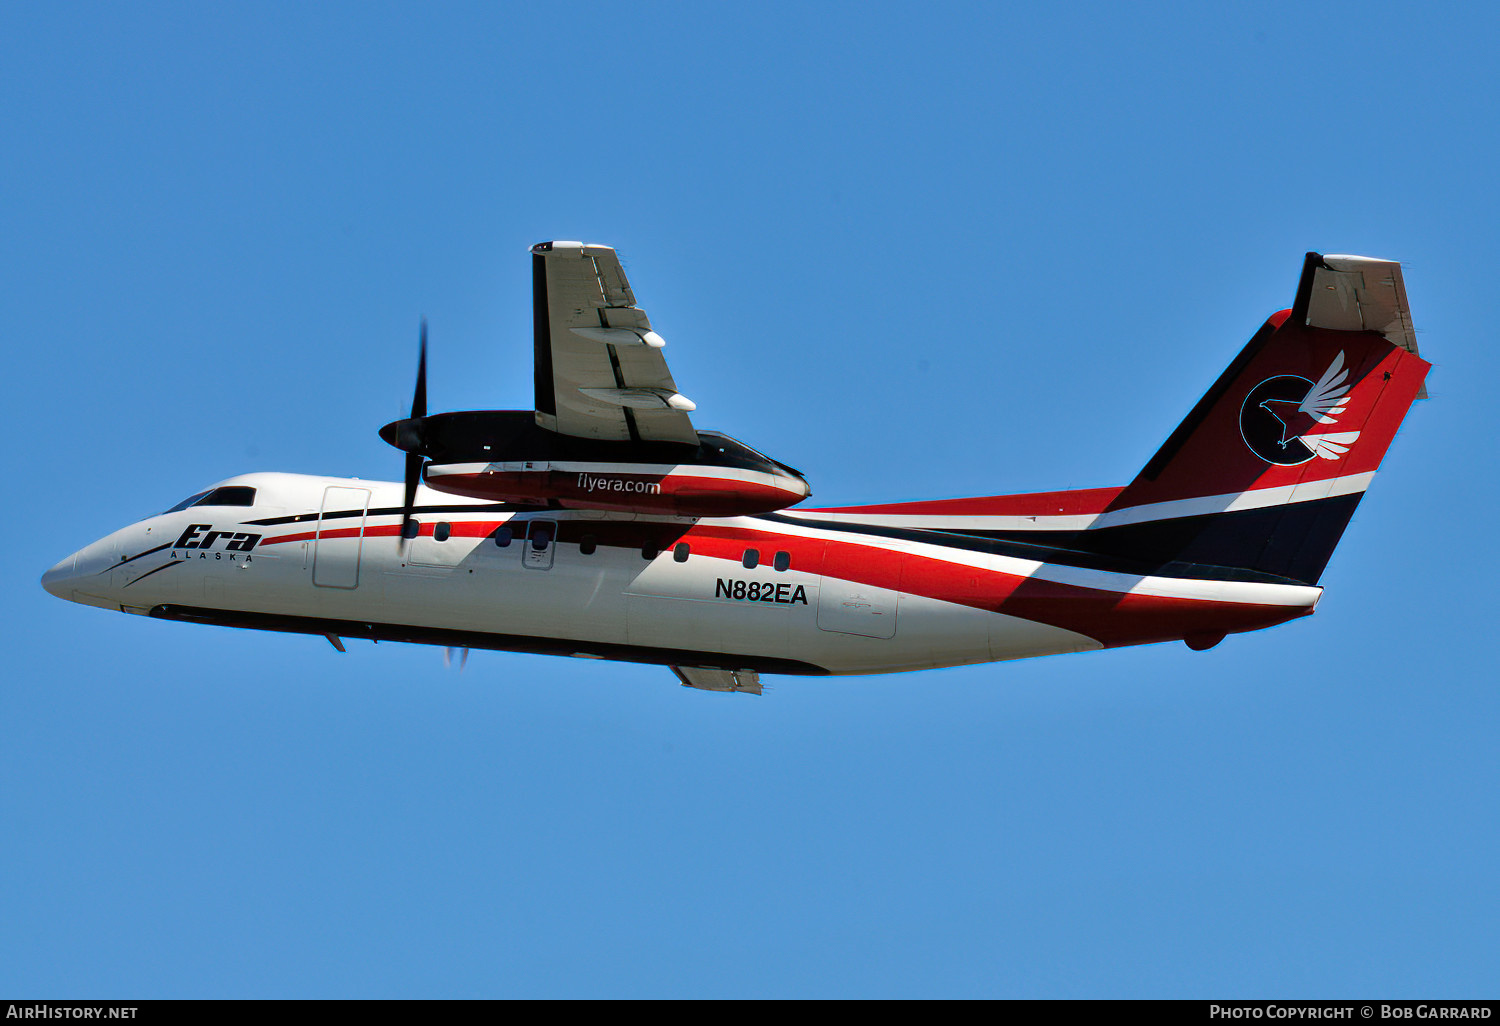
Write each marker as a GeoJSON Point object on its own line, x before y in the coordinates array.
{"type": "Point", "coordinates": [1111, 617]}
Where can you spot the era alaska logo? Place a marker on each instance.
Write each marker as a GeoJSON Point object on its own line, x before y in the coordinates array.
{"type": "Point", "coordinates": [1279, 416]}
{"type": "Point", "coordinates": [196, 538]}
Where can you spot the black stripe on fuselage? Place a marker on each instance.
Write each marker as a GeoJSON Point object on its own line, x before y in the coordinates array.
{"type": "Point", "coordinates": [1292, 541]}
{"type": "Point", "coordinates": [165, 566]}
{"type": "Point", "coordinates": [1044, 550]}
{"type": "Point", "coordinates": [1284, 544]}
{"type": "Point", "coordinates": [138, 555]}
{"type": "Point", "coordinates": [390, 511]}
{"type": "Point", "coordinates": [1287, 544]}
{"type": "Point", "coordinates": [478, 639]}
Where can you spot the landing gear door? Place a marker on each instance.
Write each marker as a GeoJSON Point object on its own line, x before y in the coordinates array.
{"type": "Point", "coordinates": [541, 543]}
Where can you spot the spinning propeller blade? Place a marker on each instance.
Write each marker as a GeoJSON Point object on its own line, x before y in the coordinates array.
{"type": "Point", "coordinates": [419, 398]}
{"type": "Point", "coordinates": [414, 459]}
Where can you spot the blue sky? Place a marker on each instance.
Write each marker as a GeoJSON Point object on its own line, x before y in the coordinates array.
{"type": "Point", "coordinates": [917, 251]}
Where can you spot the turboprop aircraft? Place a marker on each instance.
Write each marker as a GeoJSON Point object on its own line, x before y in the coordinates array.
{"type": "Point", "coordinates": [604, 524]}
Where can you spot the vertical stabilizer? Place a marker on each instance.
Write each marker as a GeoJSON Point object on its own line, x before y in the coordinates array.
{"type": "Point", "coordinates": [1267, 469]}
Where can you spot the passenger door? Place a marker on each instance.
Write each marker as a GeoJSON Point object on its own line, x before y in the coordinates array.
{"type": "Point", "coordinates": [340, 537]}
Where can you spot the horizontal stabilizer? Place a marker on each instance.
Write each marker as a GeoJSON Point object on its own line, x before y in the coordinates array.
{"type": "Point", "coordinates": [1355, 293]}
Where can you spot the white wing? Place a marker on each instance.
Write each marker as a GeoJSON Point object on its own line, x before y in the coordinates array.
{"type": "Point", "coordinates": [1329, 396]}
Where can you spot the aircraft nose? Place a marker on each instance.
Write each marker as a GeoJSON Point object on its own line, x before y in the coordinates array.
{"type": "Point", "coordinates": [83, 576]}
{"type": "Point", "coordinates": [59, 580]}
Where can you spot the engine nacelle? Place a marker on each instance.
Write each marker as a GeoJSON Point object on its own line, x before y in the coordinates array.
{"type": "Point", "coordinates": [683, 490]}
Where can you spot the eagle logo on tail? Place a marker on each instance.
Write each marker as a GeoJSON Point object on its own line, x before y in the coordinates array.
{"type": "Point", "coordinates": [1324, 402]}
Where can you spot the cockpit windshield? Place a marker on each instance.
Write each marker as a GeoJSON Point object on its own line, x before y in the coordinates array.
{"type": "Point", "coordinates": [230, 495]}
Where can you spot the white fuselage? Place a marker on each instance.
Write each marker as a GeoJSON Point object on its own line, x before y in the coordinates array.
{"type": "Point", "coordinates": [325, 556]}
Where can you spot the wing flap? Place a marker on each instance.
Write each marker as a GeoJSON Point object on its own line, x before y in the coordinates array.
{"type": "Point", "coordinates": [707, 679]}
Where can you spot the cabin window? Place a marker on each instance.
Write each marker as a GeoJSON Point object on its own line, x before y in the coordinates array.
{"type": "Point", "coordinates": [410, 529]}
{"type": "Point", "coordinates": [649, 551]}
{"type": "Point", "coordinates": [783, 561]}
{"type": "Point", "coordinates": [681, 551]}
{"type": "Point", "coordinates": [541, 537]}
{"type": "Point", "coordinates": [502, 537]}
{"type": "Point", "coordinates": [441, 532]}
{"type": "Point", "coordinates": [588, 545]}
{"type": "Point", "coordinates": [751, 560]}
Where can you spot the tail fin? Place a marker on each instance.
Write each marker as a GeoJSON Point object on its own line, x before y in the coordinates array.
{"type": "Point", "coordinates": [1267, 469]}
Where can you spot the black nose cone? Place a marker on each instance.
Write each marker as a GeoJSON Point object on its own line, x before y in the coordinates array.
{"type": "Point", "coordinates": [405, 435]}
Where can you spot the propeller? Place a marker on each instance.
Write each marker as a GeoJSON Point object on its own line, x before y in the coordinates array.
{"type": "Point", "coordinates": [463, 654]}
{"type": "Point", "coordinates": [418, 411]}
{"type": "Point", "coordinates": [407, 435]}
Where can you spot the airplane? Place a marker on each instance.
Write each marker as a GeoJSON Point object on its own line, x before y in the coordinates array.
{"type": "Point", "coordinates": [603, 524]}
